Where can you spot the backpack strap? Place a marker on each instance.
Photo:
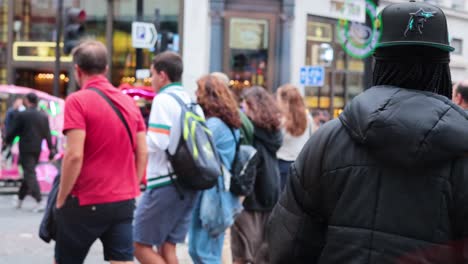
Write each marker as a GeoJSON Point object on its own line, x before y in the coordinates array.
{"type": "Point", "coordinates": [171, 174]}
{"type": "Point", "coordinates": [116, 110]}
{"type": "Point", "coordinates": [237, 149]}
{"type": "Point", "coordinates": [180, 101]}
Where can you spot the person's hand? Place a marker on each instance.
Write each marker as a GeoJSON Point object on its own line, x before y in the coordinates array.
{"type": "Point", "coordinates": [52, 154]}
{"type": "Point", "coordinates": [59, 204]}
{"type": "Point", "coordinates": [4, 146]}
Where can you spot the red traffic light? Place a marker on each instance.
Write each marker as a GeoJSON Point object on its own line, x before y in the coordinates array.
{"type": "Point", "coordinates": [76, 15]}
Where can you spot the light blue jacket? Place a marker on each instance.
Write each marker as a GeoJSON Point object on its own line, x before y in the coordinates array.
{"type": "Point", "coordinates": [210, 215]}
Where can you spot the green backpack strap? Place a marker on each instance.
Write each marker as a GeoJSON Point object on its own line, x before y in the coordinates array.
{"type": "Point", "coordinates": [234, 161]}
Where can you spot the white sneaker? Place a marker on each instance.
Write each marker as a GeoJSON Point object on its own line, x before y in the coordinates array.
{"type": "Point", "coordinates": [40, 207]}
{"type": "Point", "coordinates": [17, 203]}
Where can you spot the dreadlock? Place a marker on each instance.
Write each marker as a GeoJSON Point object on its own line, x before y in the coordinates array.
{"type": "Point", "coordinates": [413, 67]}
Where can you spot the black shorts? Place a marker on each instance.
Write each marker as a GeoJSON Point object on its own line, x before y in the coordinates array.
{"type": "Point", "coordinates": [78, 227]}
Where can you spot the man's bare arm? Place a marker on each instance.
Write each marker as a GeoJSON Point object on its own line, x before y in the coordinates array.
{"type": "Point", "coordinates": [141, 155]}
{"type": "Point", "coordinates": [72, 162]}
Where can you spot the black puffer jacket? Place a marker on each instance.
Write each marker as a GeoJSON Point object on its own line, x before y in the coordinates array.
{"type": "Point", "coordinates": [386, 183]}
{"type": "Point", "coordinates": [267, 183]}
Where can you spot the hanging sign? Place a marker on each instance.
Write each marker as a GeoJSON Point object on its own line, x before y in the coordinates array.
{"type": "Point", "coordinates": [351, 10]}
{"type": "Point", "coordinates": [358, 39]}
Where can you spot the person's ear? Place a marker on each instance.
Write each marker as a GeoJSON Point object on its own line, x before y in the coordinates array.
{"type": "Point", "coordinates": [458, 99]}
{"type": "Point", "coordinates": [78, 71]}
{"type": "Point", "coordinates": [165, 76]}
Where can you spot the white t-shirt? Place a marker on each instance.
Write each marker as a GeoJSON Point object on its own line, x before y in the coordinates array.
{"type": "Point", "coordinates": [164, 131]}
{"type": "Point", "coordinates": [292, 145]}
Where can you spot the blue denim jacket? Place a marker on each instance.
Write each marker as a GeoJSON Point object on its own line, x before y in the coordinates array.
{"type": "Point", "coordinates": [219, 206]}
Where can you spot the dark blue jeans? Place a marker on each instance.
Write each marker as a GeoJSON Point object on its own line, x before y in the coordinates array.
{"type": "Point", "coordinates": [79, 226]}
{"type": "Point", "coordinates": [284, 170]}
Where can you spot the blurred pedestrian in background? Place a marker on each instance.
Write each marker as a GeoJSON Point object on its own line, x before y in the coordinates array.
{"type": "Point", "coordinates": [32, 126]}
{"type": "Point", "coordinates": [10, 115]}
{"type": "Point", "coordinates": [17, 107]}
{"type": "Point", "coordinates": [319, 118]}
{"type": "Point", "coordinates": [249, 242]}
{"type": "Point", "coordinates": [460, 94]}
{"type": "Point", "coordinates": [297, 127]}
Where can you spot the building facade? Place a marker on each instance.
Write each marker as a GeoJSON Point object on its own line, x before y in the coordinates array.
{"type": "Point", "coordinates": [28, 34]}
{"type": "Point", "coordinates": [255, 42]}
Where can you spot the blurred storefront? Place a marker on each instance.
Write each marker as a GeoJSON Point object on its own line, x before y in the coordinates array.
{"type": "Point", "coordinates": [337, 39]}
{"type": "Point", "coordinates": [343, 72]}
{"type": "Point", "coordinates": [260, 42]}
{"type": "Point", "coordinates": [28, 30]}
{"type": "Point", "coordinates": [250, 41]}
{"type": "Point", "coordinates": [3, 40]}
{"type": "Point", "coordinates": [255, 42]}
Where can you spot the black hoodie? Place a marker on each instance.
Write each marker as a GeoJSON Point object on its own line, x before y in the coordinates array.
{"type": "Point", "coordinates": [267, 183]}
{"type": "Point", "coordinates": [386, 183]}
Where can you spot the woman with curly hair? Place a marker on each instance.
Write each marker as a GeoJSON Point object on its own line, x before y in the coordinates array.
{"type": "Point", "coordinates": [297, 127]}
{"type": "Point", "coordinates": [249, 243]}
{"type": "Point", "coordinates": [210, 219]}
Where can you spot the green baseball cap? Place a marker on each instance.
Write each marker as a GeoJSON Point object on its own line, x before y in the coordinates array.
{"type": "Point", "coordinates": [414, 23]}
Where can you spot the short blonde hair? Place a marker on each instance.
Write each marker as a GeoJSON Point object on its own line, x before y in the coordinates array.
{"type": "Point", "coordinates": [222, 77]}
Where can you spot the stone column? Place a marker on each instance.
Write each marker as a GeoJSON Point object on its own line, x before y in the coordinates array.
{"type": "Point", "coordinates": [285, 34]}
{"type": "Point", "coordinates": [217, 35]}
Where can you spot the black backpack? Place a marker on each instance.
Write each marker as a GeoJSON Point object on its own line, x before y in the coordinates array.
{"type": "Point", "coordinates": [195, 161]}
{"type": "Point", "coordinates": [244, 169]}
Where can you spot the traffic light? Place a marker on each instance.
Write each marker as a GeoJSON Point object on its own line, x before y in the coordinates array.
{"type": "Point", "coordinates": [74, 28]}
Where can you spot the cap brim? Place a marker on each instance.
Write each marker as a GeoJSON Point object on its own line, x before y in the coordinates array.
{"type": "Point", "coordinates": [414, 43]}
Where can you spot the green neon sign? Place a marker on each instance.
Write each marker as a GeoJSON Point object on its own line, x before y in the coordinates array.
{"type": "Point", "coordinates": [357, 39]}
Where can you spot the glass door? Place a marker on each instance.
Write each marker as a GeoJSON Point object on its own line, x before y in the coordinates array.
{"type": "Point", "coordinates": [249, 49]}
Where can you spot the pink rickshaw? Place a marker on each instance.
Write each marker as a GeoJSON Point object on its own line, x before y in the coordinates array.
{"type": "Point", "coordinates": [143, 96]}
{"type": "Point", "coordinates": [46, 171]}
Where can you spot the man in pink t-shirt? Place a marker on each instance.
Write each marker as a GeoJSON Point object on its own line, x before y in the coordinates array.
{"type": "Point", "coordinates": [102, 166]}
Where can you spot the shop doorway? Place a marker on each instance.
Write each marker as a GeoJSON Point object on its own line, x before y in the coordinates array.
{"type": "Point", "coordinates": [249, 48]}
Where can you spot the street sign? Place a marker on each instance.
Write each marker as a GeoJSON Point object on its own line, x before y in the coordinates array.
{"type": "Point", "coordinates": [144, 35]}
{"type": "Point", "coordinates": [352, 10]}
{"type": "Point", "coordinates": [303, 75]}
{"type": "Point", "coordinates": [141, 74]}
{"type": "Point", "coordinates": [312, 75]}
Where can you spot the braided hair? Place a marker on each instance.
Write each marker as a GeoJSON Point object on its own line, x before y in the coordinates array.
{"type": "Point", "coordinates": [421, 68]}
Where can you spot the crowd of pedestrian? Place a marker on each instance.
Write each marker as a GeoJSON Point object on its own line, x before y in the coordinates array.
{"type": "Point", "coordinates": [383, 183]}
{"type": "Point", "coordinates": [110, 147]}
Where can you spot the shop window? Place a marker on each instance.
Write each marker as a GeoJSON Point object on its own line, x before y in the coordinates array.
{"type": "Point", "coordinates": [317, 31]}
{"type": "Point", "coordinates": [248, 52]}
{"type": "Point", "coordinates": [322, 54]}
{"type": "Point", "coordinates": [3, 40]}
{"type": "Point", "coordinates": [457, 43]}
{"type": "Point", "coordinates": [166, 16]}
{"type": "Point", "coordinates": [344, 77]}
{"type": "Point", "coordinates": [354, 84]}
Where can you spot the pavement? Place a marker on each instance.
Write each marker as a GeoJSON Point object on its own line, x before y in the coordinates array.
{"type": "Point", "coordinates": [20, 243]}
